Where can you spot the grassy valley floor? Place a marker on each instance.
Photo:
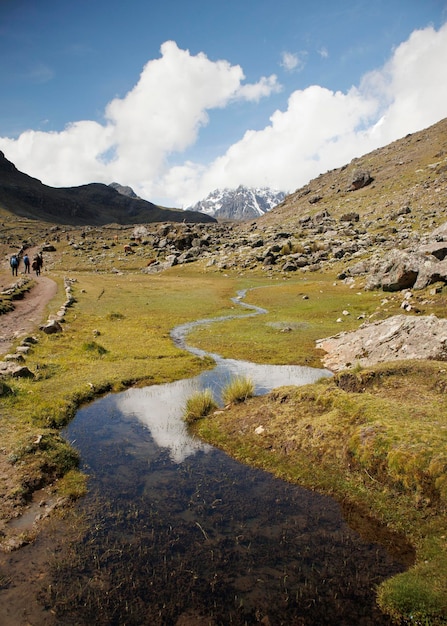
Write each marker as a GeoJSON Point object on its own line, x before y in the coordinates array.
{"type": "Point", "coordinates": [374, 439]}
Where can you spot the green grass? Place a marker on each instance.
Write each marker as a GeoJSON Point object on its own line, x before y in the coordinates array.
{"type": "Point", "coordinates": [299, 313]}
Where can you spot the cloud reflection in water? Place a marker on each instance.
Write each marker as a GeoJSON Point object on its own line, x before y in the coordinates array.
{"type": "Point", "coordinates": [160, 407]}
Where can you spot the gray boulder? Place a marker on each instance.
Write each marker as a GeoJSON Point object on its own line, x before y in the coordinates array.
{"type": "Point", "coordinates": [397, 338]}
{"type": "Point", "coordinates": [406, 270]}
{"type": "Point", "coordinates": [51, 327]}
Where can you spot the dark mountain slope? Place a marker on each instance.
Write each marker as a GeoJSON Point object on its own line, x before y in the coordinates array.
{"type": "Point", "coordinates": [94, 204]}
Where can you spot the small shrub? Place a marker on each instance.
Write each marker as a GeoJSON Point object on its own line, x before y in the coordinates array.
{"type": "Point", "coordinates": [115, 316]}
{"type": "Point", "coordinates": [199, 405]}
{"type": "Point", "coordinates": [94, 347]}
{"type": "Point", "coordinates": [238, 390]}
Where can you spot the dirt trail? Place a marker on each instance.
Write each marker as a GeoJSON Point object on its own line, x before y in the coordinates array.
{"type": "Point", "coordinates": [27, 314]}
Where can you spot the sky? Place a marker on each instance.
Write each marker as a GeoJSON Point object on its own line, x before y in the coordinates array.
{"type": "Point", "coordinates": [177, 99]}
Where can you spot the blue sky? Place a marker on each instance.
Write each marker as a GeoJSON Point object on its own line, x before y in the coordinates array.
{"type": "Point", "coordinates": [176, 99]}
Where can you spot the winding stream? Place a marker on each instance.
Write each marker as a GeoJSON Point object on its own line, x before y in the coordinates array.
{"type": "Point", "coordinates": [177, 533]}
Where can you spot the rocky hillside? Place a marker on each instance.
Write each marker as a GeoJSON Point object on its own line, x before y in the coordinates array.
{"type": "Point", "coordinates": [380, 217]}
{"type": "Point", "coordinates": [93, 204]}
{"type": "Point", "coordinates": [239, 204]}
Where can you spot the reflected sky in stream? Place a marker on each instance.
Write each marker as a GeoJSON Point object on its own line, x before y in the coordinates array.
{"type": "Point", "coordinates": [160, 407]}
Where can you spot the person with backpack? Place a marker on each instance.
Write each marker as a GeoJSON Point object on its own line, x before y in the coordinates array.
{"type": "Point", "coordinates": [27, 263]}
{"type": "Point", "coordinates": [14, 263]}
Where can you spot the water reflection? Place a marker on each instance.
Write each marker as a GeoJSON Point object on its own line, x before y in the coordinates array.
{"type": "Point", "coordinates": [160, 407]}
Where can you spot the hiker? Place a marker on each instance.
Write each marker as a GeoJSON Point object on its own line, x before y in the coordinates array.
{"type": "Point", "coordinates": [37, 264]}
{"type": "Point", "coordinates": [14, 263]}
{"type": "Point", "coordinates": [27, 263]}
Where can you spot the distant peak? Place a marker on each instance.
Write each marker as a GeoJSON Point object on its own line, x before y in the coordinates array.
{"type": "Point", "coordinates": [240, 203]}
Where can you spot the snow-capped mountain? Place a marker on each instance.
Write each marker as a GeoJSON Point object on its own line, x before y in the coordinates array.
{"type": "Point", "coordinates": [243, 203]}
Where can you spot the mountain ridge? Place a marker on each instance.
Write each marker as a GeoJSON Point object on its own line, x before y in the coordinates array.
{"type": "Point", "coordinates": [91, 204]}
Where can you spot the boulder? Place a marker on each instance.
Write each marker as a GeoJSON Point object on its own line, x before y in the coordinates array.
{"type": "Point", "coordinates": [51, 327]}
{"type": "Point", "coordinates": [361, 178]}
{"type": "Point", "coordinates": [397, 338]}
{"type": "Point", "coordinates": [406, 270]}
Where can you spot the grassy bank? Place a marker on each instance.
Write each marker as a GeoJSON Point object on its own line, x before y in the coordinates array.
{"type": "Point", "coordinates": [375, 439]}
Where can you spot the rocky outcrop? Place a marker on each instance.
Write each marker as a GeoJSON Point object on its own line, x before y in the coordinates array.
{"type": "Point", "coordinates": [397, 338]}
{"type": "Point", "coordinates": [412, 268]}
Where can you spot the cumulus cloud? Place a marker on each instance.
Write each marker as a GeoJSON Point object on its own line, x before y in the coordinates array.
{"type": "Point", "coordinates": [322, 129]}
{"type": "Point", "coordinates": [163, 115]}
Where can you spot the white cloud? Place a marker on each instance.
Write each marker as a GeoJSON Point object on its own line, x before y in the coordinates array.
{"type": "Point", "coordinates": [162, 114]}
{"type": "Point", "coordinates": [166, 110]}
{"type": "Point", "coordinates": [322, 129]}
{"type": "Point", "coordinates": [291, 61]}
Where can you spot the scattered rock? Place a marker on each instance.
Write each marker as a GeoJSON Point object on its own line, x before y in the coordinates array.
{"type": "Point", "coordinates": [361, 178]}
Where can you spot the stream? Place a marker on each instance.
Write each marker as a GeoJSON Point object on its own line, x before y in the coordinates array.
{"type": "Point", "coordinates": [175, 532]}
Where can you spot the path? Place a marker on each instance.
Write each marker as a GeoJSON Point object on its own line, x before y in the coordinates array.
{"type": "Point", "coordinates": [28, 312]}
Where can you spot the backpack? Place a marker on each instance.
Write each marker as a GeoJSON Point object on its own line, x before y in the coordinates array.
{"type": "Point", "coordinates": [14, 261]}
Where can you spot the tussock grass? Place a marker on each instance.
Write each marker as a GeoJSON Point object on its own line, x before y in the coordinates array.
{"type": "Point", "coordinates": [238, 390]}
{"type": "Point", "coordinates": [199, 405]}
{"type": "Point", "coordinates": [72, 485]}
{"type": "Point", "coordinates": [94, 348]}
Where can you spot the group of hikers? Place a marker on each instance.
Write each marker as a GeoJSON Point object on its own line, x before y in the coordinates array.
{"type": "Point", "coordinates": [36, 264]}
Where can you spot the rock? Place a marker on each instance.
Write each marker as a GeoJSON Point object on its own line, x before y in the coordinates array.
{"type": "Point", "coordinates": [51, 327]}
{"type": "Point", "coordinates": [405, 269]}
{"type": "Point", "coordinates": [315, 199]}
{"type": "Point", "coordinates": [350, 217]}
{"type": "Point", "coordinates": [361, 178]}
{"type": "Point", "coordinates": [14, 357]}
{"type": "Point", "coordinates": [21, 372]}
{"type": "Point", "coordinates": [289, 266]}
{"type": "Point", "coordinates": [397, 338]}
{"type": "Point", "coordinates": [438, 249]}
